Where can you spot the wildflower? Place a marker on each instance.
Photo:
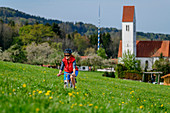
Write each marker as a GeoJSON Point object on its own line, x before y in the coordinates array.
{"type": "Point", "coordinates": [2, 92]}
{"type": "Point", "coordinates": [90, 104]}
{"type": "Point", "coordinates": [112, 97]}
{"type": "Point", "coordinates": [80, 105]}
{"type": "Point", "coordinates": [37, 109]}
{"type": "Point", "coordinates": [144, 100]}
{"type": "Point", "coordinates": [123, 102]}
{"type": "Point", "coordinates": [70, 94]}
{"type": "Point", "coordinates": [86, 94]}
{"type": "Point", "coordinates": [13, 90]}
{"type": "Point", "coordinates": [40, 92]}
{"type": "Point", "coordinates": [119, 104]}
{"type": "Point", "coordinates": [24, 85]}
{"type": "Point", "coordinates": [103, 93]}
{"type": "Point", "coordinates": [47, 93]}
{"type": "Point", "coordinates": [132, 96]}
{"type": "Point", "coordinates": [141, 107]}
{"type": "Point", "coordinates": [50, 97]}
{"type": "Point", "coordinates": [77, 93]}
{"type": "Point", "coordinates": [71, 107]}
{"type": "Point", "coordinates": [162, 105]}
{"type": "Point", "coordinates": [30, 95]}
{"type": "Point", "coordinates": [9, 93]}
{"type": "Point", "coordinates": [43, 80]}
{"type": "Point", "coordinates": [96, 107]}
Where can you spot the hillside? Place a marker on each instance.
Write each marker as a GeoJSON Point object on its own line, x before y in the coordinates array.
{"type": "Point", "coordinates": [27, 88]}
{"type": "Point", "coordinates": [7, 14]}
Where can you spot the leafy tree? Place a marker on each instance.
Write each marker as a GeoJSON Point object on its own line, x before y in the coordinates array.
{"type": "Point", "coordinates": [162, 65]}
{"type": "Point", "coordinates": [56, 29]}
{"type": "Point", "coordinates": [130, 62]}
{"type": "Point", "coordinates": [81, 42]}
{"type": "Point", "coordinates": [101, 52]}
{"type": "Point", "coordinates": [89, 51]}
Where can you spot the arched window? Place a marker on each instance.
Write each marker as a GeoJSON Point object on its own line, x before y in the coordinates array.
{"type": "Point", "coordinates": [146, 64]}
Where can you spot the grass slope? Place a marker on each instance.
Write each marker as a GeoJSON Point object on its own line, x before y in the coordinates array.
{"type": "Point", "coordinates": [27, 88]}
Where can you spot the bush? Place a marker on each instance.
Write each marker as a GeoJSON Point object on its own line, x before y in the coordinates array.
{"type": "Point", "coordinates": [107, 74]}
{"type": "Point", "coordinates": [133, 75]}
{"type": "Point", "coordinates": [120, 70]}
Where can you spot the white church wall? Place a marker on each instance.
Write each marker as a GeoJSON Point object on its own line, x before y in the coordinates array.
{"type": "Point", "coordinates": [128, 38]}
{"type": "Point", "coordinates": [143, 62]}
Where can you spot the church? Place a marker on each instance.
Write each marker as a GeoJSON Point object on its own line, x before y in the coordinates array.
{"type": "Point", "coordinates": [145, 51]}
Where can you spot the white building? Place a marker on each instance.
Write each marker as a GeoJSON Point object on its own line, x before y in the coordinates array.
{"type": "Point", "coordinates": [145, 51]}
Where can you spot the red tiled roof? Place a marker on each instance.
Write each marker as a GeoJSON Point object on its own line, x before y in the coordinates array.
{"type": "Point", "coordinates": [128, 13]}
{"type": "Point", "coordinates": [83, 57]}
{"type": "Point", "coordinates": [150, 48]}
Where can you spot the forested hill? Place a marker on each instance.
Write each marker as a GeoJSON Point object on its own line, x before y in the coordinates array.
{"type": "Point", "coordinates": [8, 14]}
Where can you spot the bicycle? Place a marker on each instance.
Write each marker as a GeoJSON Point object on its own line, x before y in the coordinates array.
{"type": "Point", "coordinates": [66, 82]}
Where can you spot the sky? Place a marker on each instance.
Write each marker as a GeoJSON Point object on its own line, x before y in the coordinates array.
{"type": "Point", "coordinates": [151, 15]}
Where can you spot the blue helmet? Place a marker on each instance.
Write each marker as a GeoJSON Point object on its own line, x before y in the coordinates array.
{"type": "Point", "coordinates": [68, 51]}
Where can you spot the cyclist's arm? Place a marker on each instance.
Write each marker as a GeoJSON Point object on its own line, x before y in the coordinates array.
{"type": "Point", "coordinates": [74, 67]}
{"type": "Point", "coordinates": [62, 67]}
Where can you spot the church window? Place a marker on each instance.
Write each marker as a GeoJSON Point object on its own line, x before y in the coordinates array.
{"type": "Point", "coordinates": [127, 27]}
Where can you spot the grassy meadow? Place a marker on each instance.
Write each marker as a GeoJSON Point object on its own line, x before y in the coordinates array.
{"type": "Point", "coordinates": [27, 88]}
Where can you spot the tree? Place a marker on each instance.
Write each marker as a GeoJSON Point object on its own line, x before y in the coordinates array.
{"type": "Point", "coordinates": [130, 62]}
{"type": "Point", "coordinates": [81, 42]}
{"type": "Point", "coordinates": [101, 52]}
{"type": "Point", "coordinates": [162, 65]}
{"type": "Point", "coordinates": [89, 51]}
{"type": "Point", "coordinates": [39, 54]}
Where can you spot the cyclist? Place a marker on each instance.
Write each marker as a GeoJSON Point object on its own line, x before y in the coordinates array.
{"type": "Point", "coordinates": [69, 66]}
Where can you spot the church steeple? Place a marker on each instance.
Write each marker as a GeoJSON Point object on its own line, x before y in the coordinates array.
{"type": "Point", "coordinates": [129, 30]}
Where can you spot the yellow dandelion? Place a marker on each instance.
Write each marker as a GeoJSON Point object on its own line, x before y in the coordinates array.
{"type": "Point", "coordinates": [119, 104]}
{"type": "Point", "coordinates": [112, 97]}
{"type": "Point", "coordinates": [2, 92]}
{"type": "Point", "coordinates": [70, 94]}
{"type": "Point", "coordinates": [71, 107]}
{"type": "Point", "coordinates": [9, 93]}
{"type": "Point", "coordinates": [80, 105]}
{"type": "Point", "coordinates": [96, 107]}
{"type": "Point", "coordinates": [103, 93]}
{"type": "Point", "coordinates": [141, 107]}
{"type": "Point", "coordinates": [13, 90]}
{"type": "Point", "coordinates": [62, 103]}
{"type": "Point", "coordinates": [90, 104]}
{"type": "Point", "coordinates": [123, 102]}
{"type": "Point", "coordinates": [130, 92]}
{"type": "Point", "coordinates": [30, 95]}
{"type": "Point", "coordinates": [37, 90]}
{"type": "Point", "coordinates": [50, 97]}
{"type": "Point", "coordinates": [47, 93]}
{"type": "Point", "coordinates": [132, 96]}
{"type": "Point", "coordinates": [73, 95]}
{"type": "Point", "coordinates": [162, 105]}
{"type": "Point", "coordinates": [77, 93]}
{"type": "Point", "coordinates": [24, 85]}
{"type": "Point", "coordinates": [43, 80]}
{"type": "Point", "coordinates": [40, 92]}
{"type": "Point", "coordinates": [34, 91]}
{"type": "Point", "coordinates": [144, 100]}
{"type": "Point", "coordinates": [75, 104]}
{"type": "Point", "coordinates": [151, 105]}
{"type": "Point", "coordinates": [37, 109]}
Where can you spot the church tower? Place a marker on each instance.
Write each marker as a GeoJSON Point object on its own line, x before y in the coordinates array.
{"type": "Point", "coordinates": [129, 30]}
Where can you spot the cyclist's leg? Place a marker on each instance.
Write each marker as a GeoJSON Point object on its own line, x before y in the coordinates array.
{"type": "Point", "coordinates": [73, 80]}
{"type": "Point", "coordinates": [66, 80]}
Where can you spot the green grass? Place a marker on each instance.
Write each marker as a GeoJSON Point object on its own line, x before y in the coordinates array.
{"type": "Point", "coordinates": [23, 88]}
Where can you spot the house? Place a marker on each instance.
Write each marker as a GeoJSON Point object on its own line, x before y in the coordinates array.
{"type": "Point", "coordinates": [166, 79]}
{"type": "Point", "coordinates": [145, 51]}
